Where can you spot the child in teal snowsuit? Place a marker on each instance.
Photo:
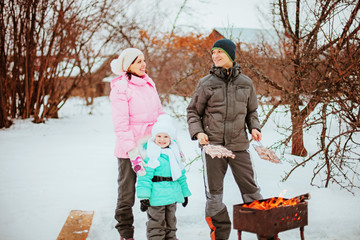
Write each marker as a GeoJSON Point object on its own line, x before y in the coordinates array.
{"type": "Point", "coordinates": [164, 184]}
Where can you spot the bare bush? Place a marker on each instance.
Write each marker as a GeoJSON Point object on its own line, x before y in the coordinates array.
{"type": "Point", "coordinates": [49, 47]}
{"type": "Point", "coordinates": [304, 69]}
{"type": "Point", "coordinates": [314, 71]}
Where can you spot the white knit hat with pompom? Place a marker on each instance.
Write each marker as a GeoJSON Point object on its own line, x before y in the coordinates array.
{"type": "Point", "coordinates": [164, 124]}
{"type": "Point", "coordinates": [123, 62]}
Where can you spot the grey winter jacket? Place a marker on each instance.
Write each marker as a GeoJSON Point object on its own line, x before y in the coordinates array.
{"type": "Point", "coordinates": [222, 107]}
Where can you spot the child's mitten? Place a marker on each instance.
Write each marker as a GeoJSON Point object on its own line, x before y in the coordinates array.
{"type": "Point", "coordinates": [185, 203]}
{"type": "Point", "coordinates": [144, 204]}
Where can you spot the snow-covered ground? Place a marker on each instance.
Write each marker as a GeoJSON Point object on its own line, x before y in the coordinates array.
{"type": "Point", "coordinates": [47, 170]}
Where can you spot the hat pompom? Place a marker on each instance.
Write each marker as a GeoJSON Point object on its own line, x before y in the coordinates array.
{"type": "Point", "coordinates": [164, 118]}
{"type": "Point", "coordinates": [116, 67]}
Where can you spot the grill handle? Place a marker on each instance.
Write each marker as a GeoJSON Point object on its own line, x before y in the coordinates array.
{"type": "Point", "coordinates": [246, 211]}
{"type": "Point", "coordinates": [303, 197]}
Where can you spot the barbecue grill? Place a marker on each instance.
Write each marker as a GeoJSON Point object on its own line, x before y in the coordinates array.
{"type": "Point", "coordinates": [269, 222]}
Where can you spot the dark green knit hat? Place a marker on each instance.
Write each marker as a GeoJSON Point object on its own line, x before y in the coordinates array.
{"type": "Point", "coordinates": [227, 46]}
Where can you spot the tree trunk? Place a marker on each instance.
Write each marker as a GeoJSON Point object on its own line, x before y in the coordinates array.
{"type": "Point", "coordinates": [297, 147]}
{"type": "Point", "coordinates": [4, 121]}
{"type": "Point", "coordinates": [4, 113]}
{"type": "Point", "coordinates": [323, 147]}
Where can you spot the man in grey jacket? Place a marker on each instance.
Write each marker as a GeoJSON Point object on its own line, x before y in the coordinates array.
{"type": "Point", "coordinates": [223, 105]}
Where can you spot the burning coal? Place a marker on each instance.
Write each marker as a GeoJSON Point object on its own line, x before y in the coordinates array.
{"type": "Point", "coordinates": [276, 202]}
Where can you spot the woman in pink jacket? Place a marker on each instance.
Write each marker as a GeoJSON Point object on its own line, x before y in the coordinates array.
{"type": "Point", "coordinates": [135, 107]}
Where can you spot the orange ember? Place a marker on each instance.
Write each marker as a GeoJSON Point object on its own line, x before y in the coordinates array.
{"type": "Point", "coordinates": [272, 203]}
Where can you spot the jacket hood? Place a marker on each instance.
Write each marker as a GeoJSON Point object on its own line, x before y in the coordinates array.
{"type": "Point", "coordinates": [134, 80]}
{"type": "Point", "coordinates": [220, 72]}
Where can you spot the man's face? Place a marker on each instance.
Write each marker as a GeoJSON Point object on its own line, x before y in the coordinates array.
{"type": "Point", "coordinates": [221, 59]}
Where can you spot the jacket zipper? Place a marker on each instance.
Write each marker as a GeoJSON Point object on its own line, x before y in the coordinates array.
{"type": "Point", "coordinates": [228, 83]}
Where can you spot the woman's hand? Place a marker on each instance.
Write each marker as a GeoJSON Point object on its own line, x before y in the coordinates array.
{"type": "Point", "coordinates": [256, 135]}
{"type": "Point", "coordinates": [202, 138]}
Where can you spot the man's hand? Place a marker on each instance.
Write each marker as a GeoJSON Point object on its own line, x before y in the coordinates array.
{"type": "Point", "coordinates": [202, 138]}
{"type": "Point", "coordinates": [256, 135]}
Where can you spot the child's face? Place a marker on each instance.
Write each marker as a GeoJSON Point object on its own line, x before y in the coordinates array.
{"type": "Point", "coordinates": [162, 140]}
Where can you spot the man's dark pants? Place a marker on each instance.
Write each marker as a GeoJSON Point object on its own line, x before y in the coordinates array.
{"type": "Point", "coordinates": [214, 172]}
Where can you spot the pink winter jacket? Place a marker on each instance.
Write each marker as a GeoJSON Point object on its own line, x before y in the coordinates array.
{"type": "Point", "coordinates": [135, 107]}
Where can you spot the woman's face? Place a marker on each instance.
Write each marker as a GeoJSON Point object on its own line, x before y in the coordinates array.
{"type": "Point", "coordinates": [162, 140]}
{"type": "Point", "coordinates": [139, 66]}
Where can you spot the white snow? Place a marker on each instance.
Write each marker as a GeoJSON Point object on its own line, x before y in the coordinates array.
{"type": "Point", "coordinates": [47, 170]}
